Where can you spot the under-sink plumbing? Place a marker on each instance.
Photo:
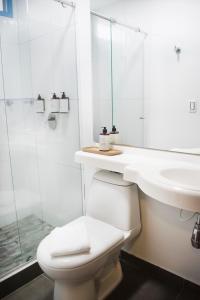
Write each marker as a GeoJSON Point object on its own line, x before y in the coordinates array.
{"type": "Point", "coordinates": [195, 240]}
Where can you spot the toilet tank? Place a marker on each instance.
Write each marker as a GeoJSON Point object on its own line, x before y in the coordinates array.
{"type": "Point", "coordinates": [114, 201]}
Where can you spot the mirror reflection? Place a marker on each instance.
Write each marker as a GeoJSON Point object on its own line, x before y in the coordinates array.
{"type": "Point", "coordinates": [146, 71]}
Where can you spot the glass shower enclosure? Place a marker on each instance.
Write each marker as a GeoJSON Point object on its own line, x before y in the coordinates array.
{"type": "Point", "coordinates": [40, 185]}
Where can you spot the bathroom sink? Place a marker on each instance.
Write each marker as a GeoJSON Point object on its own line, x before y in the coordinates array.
{"type": "Point", "coordinates": [186, 178]}
{"type": "Point", "coordinates": [178, 186]}
{"type": "Point", "coordinates": [173, 182]}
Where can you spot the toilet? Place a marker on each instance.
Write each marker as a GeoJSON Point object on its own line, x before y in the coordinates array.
{"type": "Point", "coordinates": [112, 219]}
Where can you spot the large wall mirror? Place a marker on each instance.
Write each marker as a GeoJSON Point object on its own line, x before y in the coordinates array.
{"type": "Point", "coordinates": [146, 72]}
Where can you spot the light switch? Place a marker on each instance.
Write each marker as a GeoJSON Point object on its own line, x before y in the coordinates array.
{"type": "Point", "coordinates": [193, 106]}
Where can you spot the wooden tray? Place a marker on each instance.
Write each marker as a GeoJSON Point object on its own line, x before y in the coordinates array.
{"type": "Point", "coordinates": [96, 150]}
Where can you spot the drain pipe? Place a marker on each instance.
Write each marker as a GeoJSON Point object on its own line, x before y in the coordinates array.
{"type": "Point", "coordinates": [195, 240]}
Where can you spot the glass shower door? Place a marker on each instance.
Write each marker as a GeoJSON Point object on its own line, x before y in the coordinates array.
{"type": "Point", "coordinates": [21, 215]}
{"type": "Point", "coordinates": [25, 175]}
{"type": "Point", "coordinates": [44, 188]}
{"type": "Point", "coordinates": [10, 247]}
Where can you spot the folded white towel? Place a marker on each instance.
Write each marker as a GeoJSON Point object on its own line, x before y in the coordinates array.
{"type": "Point", "coordinates": [70, 240]}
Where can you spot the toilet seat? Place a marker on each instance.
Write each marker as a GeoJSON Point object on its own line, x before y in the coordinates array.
{"type": "Point", "coordinates": [103, 238]}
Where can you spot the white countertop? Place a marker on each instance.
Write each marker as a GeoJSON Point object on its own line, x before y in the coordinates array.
{"type": "Point", "coordinates": [170, 179]}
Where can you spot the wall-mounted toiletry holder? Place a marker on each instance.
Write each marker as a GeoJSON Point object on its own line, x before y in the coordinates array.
{"type": "Point", "coordinates": [64, 103]}
{"type": "Point", "coordinates": [59, 105]}
{"type": "Point", "coordinates": [54, 105]}
{"type": "Point", "coordinates": [40, 104]}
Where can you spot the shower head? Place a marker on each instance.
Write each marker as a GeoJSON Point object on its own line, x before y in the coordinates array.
{"type": "Point", "coordinates": [65, 3]}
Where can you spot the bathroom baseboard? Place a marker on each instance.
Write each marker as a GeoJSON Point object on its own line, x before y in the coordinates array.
{"type": "Point", "coordinates": [138, 263]}
{"type": "Point", "coordinates": [19, 279]}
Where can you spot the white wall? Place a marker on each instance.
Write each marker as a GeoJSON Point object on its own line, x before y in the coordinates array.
{"type": "Point", "coordinates": [46, 180]}
{"type": "Point", "coordinates": [84, 70]}
{"type": "Point", "coordinates": [164, 239]}
{"type": "Point", "coordinates": [101, 67]}
{"type": "Point", "coordinates": [128, 84]}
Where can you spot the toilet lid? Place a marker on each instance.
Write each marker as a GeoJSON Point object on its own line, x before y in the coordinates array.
{"type": "Point", "coordinates": [103, 237]}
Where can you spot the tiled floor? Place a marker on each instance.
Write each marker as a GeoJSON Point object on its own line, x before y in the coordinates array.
{"type": "Point", "coordinates": [141, 282]}
{"type": "Point", "coordinates": [40, 288]}
{"type": "Point", "coordinates": [19, 241]}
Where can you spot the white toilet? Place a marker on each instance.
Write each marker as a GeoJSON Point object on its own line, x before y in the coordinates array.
{"type": "Point", "coordinates": [112, 219]}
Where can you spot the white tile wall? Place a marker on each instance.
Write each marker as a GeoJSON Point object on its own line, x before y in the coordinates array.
{"type": "Point", "coordinates": [26, 180]}
{"type": "Point", "coordinates": [10, 56]}
{"type": "Point", "coordinates": [170, 84]}
{"type": "Point", "coordinates": [46, 17]}
{"type": "Point", "coordinates": [53, 59]}
{"type": "Point", "coordinates": [60, 191]}
{"type": "Point", "coordinates": [58, 146]}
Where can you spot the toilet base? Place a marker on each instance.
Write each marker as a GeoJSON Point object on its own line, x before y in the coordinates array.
{"type": "Point", "coordinates": [84, 291]}
{"type": "Point", "coordinates": [95, 289]}
{"type": "Point", "coordinates": [110, 281]}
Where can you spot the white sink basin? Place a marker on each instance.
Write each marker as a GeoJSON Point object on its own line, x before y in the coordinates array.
{"type": "Point", "coordinates": [177, 186]}
{"type": "Point", "coordinates": [186, 178]}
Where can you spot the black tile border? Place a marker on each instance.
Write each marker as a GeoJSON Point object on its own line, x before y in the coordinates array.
{"type": "Point", "coordinates": [158, 272]}
{"type": "Point", "coordinates": [16, 281]}
{"type": "Point", "coordinates": [144, 265]}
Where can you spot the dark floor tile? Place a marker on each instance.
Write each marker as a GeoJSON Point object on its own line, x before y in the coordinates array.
{"type": "Point", "coordinates": [40, 288]}
{"type": "Point", "coordinates": [19, 279]}
{"type": "Point", "coordinates": [19, 241]}
{"type": "Point", "coordinates": [143, 281]}
{"type": "Point", "coordinates": [190, 291]}
{"type": "Point", "coordinates": [141, 284]}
